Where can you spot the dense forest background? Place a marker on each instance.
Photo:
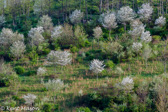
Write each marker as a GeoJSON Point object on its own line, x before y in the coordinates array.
{"type": "Point", "coordinates": [21, 15]}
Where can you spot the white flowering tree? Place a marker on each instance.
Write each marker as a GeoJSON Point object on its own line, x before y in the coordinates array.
{"type": "Point", "coordinates": [161, 21]}
{"type": "Point", "coordinates": [41, 71]}
{"type": "Point", "coordinates": [8, 37]}
{"type": "Point", "coordinates": [80, 92]}
{"type": "Point", "coordinates": [145, 11]}
{"type": "Point", "coordinates": [97, 33]}
{"type": "Point", "coordinates": [109, 21]}
{"type": "Point", "coordinates": [125, 14]}
{"type": "Point", "coordinates": [137, 46]}
{"type": "Point", "coordinates": [55, 84]}
{"type": "Point", "coordinates": [29, 98]}
{"type": "Point", "coordinates": [17, 49]}
{"type": "Point", "coordinates": [127, 84]}
{"type": "Point", "coordinates": [2, 20]}
{"type": "Point", "coordinates": [137, 31]}
{"type": "Point", "coordinates": [37, 29]}
{"type": "Point", "coordinates": [76, 16]}
{"type": "Point", "coordinates": [45, 22]}
{"type": "Point", "coordinates": [97, 66]}
{"type": "Point", "coordinates": [62, 58]}
{"type": "Point", "coordinates": [135, 23]}
{"type": "Point", "coordinates": [146, 37]}
{"type": "Point", "coordinates": [35, 35]}
{"type": "Point", "coordinates": [40, 7]}
{"type": "Point", "coordinates": [146, 54]}
{"type": "Point", "coordinates": [37, 39]}
{"type": "Point", "coordinates": [56, 33]}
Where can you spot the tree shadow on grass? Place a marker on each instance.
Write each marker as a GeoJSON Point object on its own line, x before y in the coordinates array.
{"type": "Point", "coordinates": [149, 74]}
{"type": "Point", "coordinates": [87, 74]}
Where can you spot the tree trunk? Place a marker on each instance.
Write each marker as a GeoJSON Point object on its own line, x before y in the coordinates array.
{"type": "Point", "coordinates": [86, 8]}
{"type": "Point", "coordinates": [100, 6]}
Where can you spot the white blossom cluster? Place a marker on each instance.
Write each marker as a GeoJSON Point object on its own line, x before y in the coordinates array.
{"type": "Point", "coordinates": [136, 23]}
{"type": "Point", "coordinates": [33, 30]}
{"type": "Point", "coordinates": [17, 49]}
{"type": "Point", "coordinates": [97, 32]}
{"type": "Point", "coordinates": [80, 92]}
{"type": "Point", "coordinates": [8, 37]}
{"type": "Point", "coordinates": [136, 46]}
{"type": "Point", "coordinates": [109, 21]}
{"type": "Point", "coordinates": [127, 83]}
{"type": "Point", "coordinates": [2, 20]}
{"type": "Point", "coordinates": [145, 11]}
{"type": "Point", "coordinates": [54, 84]}
{"type": "Point", "coordinates": [36, 36]}
{"type": "Point", "coordinates": [59, 57]}
{"type": "Point", "coordinates": [56, 33]}
{"type": "Point", "coordinates": [125, 14]}
{"type": "Point", "coordinates": [41, 71]}
{"type": "Point", "coordinates": [97, 66]}
{"type": "Point", "coordinates": [29, 98]}
{"type": "Point", "coordinates": [137, 31]}
{"type": "Point", "coordinates": [161, 21]}
{"type": "Point", "coordinates": [76, 16]}
{"type": "Point", "coordinates": [119, 70]}
{"type": "Point", "coordinates": [146, 37]}
{"type": "Point", "coordinates": [45, 22]}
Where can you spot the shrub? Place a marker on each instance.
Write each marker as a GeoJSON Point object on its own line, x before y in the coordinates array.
{"type": "Point", "coordinates": [109, 64]}
{"type": "Point", "coordinates": [74, 49]}
{"type": "Point", "coordinates": [19, 70]}
{"type": "Point", "coordinates": [113, 50]}
{"type": "Point", "coordinates": [46, 51]}
{"type": "Point", "coordinates": [54, 84]}
{"type": "Point", "coordinates": [24, 61]}
{"type": "Point", "coordinates": [83, 109]}
{"type": "Point", "coordinates": [30, 73]}
{"type": "Point", "coordinates": [67, 37]}
{"type": "Point", "coordinates": [7, 75]}
{"type": "Point", "coordinates": [78, 37]}
{"type": "Point", "coordinates": [156, 37]}
{"type": "Point", "coordinates": [4, 82]}
{"type": "Point", "coordinates": [47, 107]}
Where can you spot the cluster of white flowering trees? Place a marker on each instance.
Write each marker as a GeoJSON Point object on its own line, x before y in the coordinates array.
{"type": "Point", "coordinates": [14, 41]}
{"type": "Point", "coordinates": [8, 37]}
{"type": "Point", "coordinates": [125, 15]}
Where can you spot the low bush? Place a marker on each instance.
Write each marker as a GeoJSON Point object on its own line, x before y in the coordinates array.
{"type": "Point", "coordinates": [109, 64]}
{"type": "Point", "coordinates": [19, 70]}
